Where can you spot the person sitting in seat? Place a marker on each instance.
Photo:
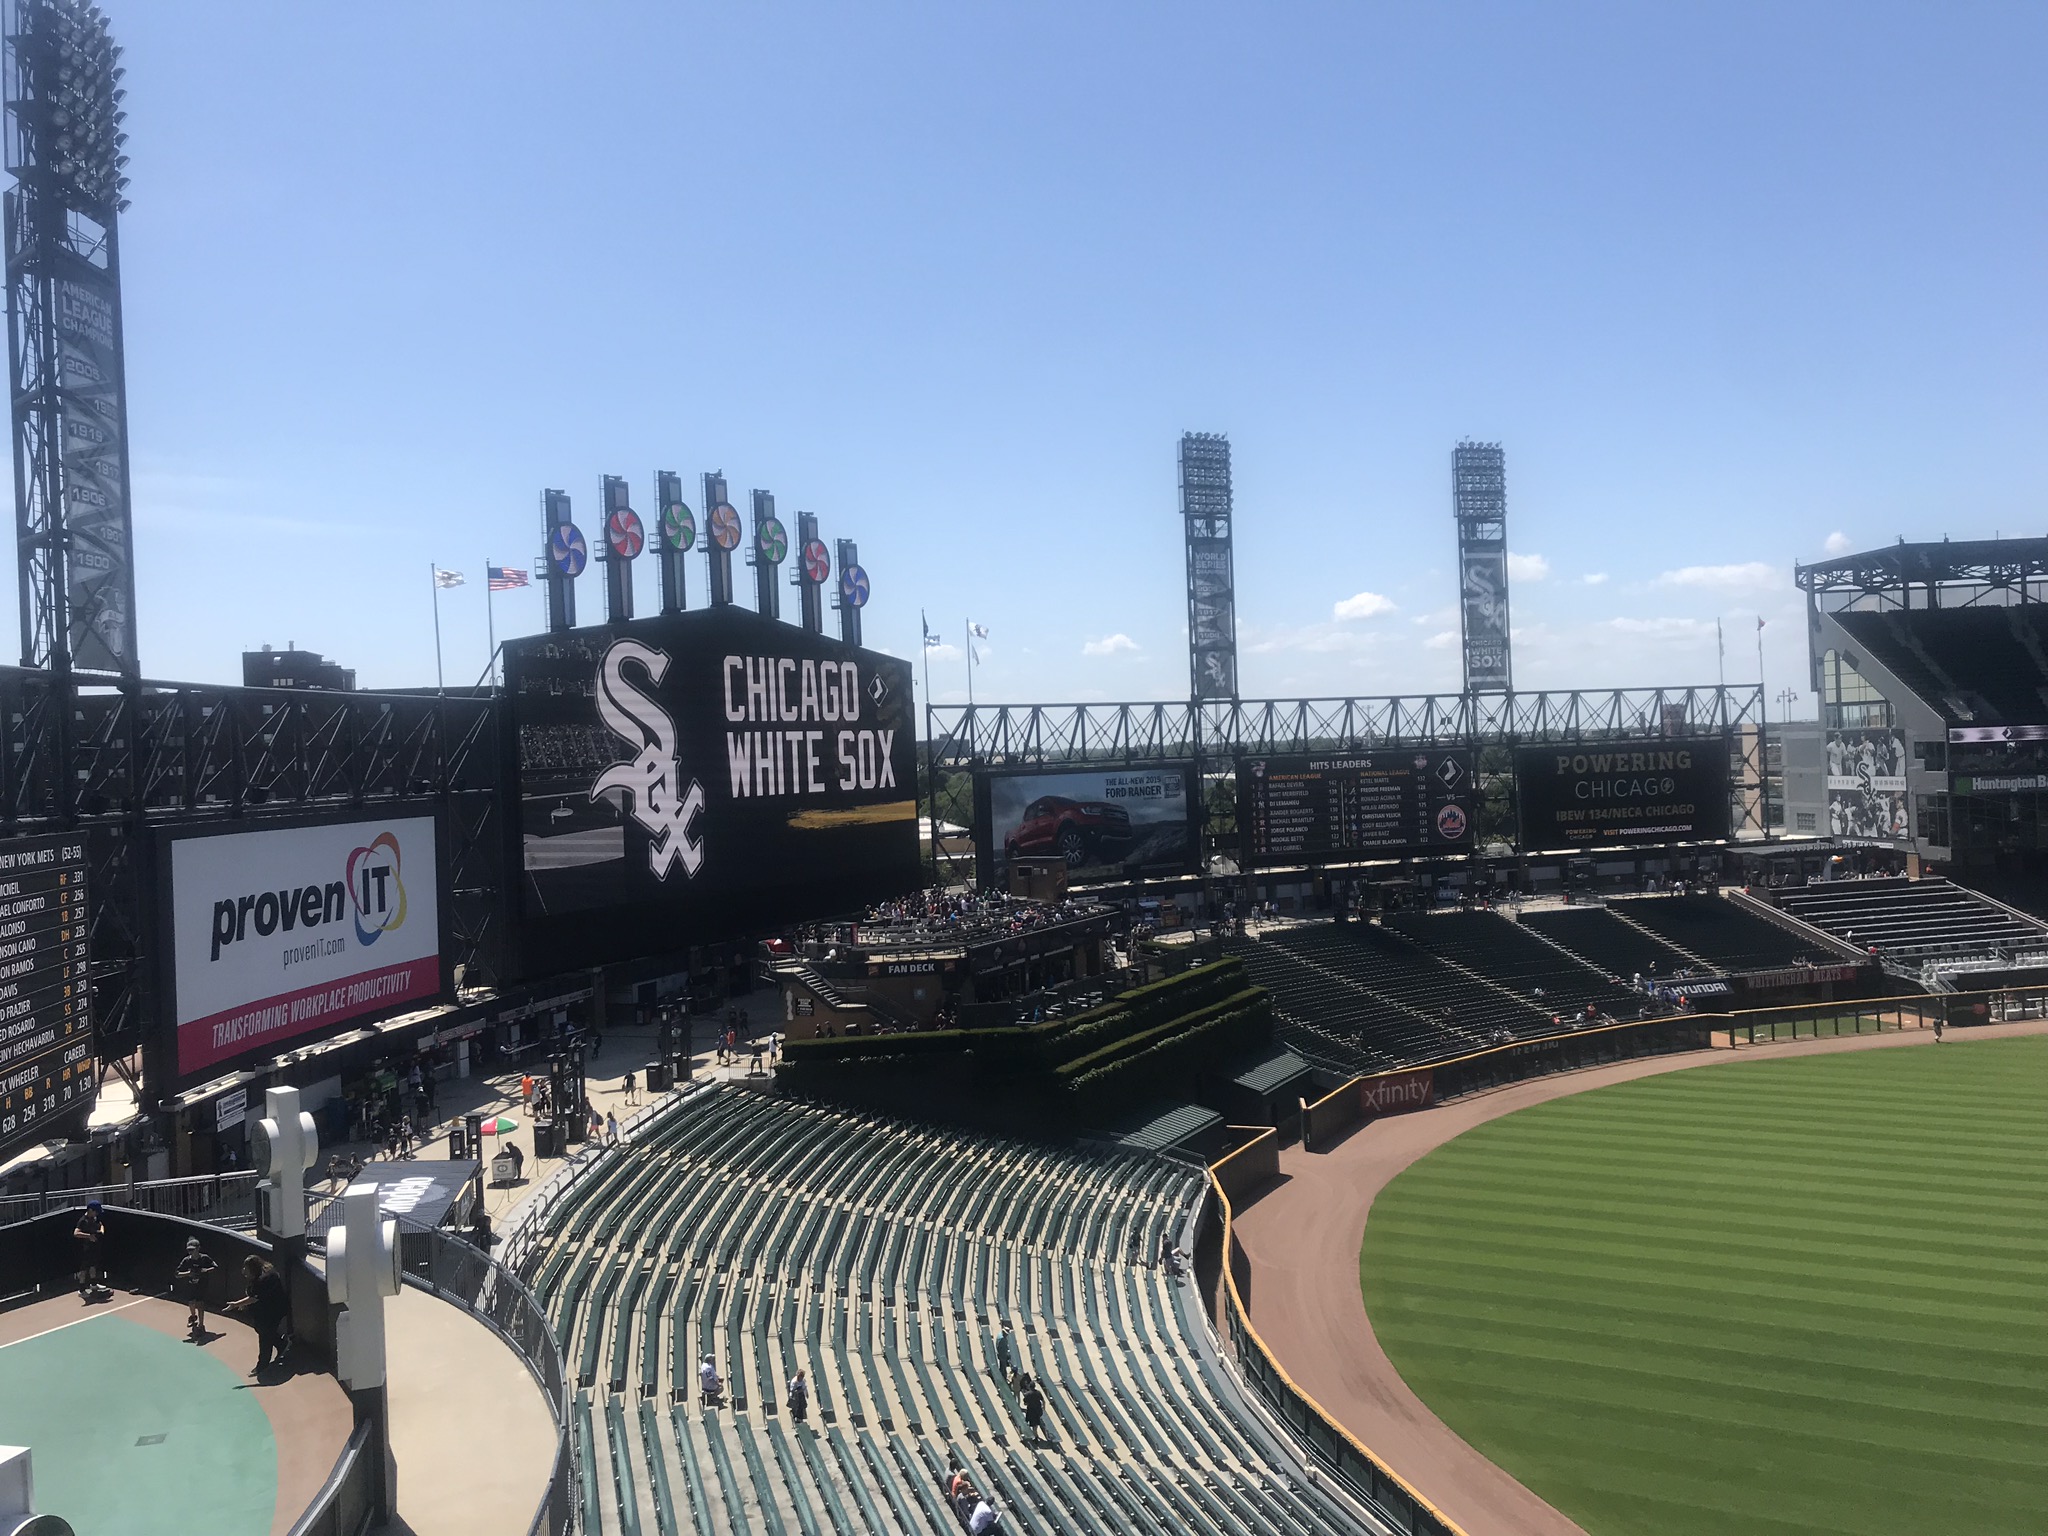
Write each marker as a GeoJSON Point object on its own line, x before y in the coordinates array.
{"type": "Point", "coordinates": [983, 1520]}
{"type": "Point", "coordinates": [708, 1383]}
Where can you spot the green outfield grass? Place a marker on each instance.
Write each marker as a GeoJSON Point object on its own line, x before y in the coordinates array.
{"type": "Point", "coordinates": [1755, 1297]}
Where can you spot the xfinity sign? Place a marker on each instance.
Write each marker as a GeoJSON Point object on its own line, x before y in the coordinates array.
{"type": "Point", "coordinates": [285, 933]}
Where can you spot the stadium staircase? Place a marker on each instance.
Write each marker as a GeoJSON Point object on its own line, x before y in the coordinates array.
{"type": "Point", "coordinates": [1719, 934]}
{"type": "Point", "coordinates": [881, 1256]}
{"type": "Point", "coordinates": [1610, 944]}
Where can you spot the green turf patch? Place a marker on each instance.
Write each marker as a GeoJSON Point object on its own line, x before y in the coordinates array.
{"type": "Point", "coordinates": [1757, 1297]}
{"type": "Point", "coordinates": [137, 1434]}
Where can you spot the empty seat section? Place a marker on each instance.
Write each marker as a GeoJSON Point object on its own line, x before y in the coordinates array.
{"type": "Point", "coordinates": [880, 1259]}
{"type": "Point", "coordinates": [1719, 932]}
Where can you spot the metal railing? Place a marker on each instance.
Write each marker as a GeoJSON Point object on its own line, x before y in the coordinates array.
{"type": "Point", "coordinates": [223, 1199]}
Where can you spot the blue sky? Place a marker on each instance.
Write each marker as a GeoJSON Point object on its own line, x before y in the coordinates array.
{"type": "Point", "coordinates": [1727, 282]}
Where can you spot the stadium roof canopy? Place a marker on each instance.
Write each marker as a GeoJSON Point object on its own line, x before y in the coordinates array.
{"type": "Point", "coordinates": [2004, 566]}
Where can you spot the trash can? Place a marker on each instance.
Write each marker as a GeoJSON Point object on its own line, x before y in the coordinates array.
{"type": "Point", "coordinates": [657, 1077]}
{"type": "Point", "coordinates": [547, 1138]}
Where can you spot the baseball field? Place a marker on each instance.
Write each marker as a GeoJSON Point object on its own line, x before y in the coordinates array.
{"type": "Point", "coordinates": [1805, 1295]}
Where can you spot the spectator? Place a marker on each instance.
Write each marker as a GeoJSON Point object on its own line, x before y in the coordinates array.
{"type": "Point", "coordinates": [269, 1307]}
{"type": "Point", "coordinates": [1006, 1353]}
{"type": "Point", "coordinates": [611, 1130]}
{"type": "Point", "coordinates": [1034, 1410]}
{"type": "Point", "coordinates": [526, 1089]}
{"type": "Point", "coordinates": [518, 1157]}
{"type": "Point", "coordinates": [405, 1136]}
{"type": "Point", "coordinates": [708, 1384]}
{"type": "Point", "coordinates": [629, 1088]}
{"type": "Point", "coordinates": [91, 1234]}
{"type": "Point", "coordinates": [193, 1269]}
{"type": "Point", "coordinates": [983, 1520]}
{"type": "Point", "coordinates": [799, 1396]}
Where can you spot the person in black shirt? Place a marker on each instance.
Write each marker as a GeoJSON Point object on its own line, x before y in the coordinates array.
{"type": "Point", "coordinates": [269, 1307]}
{"type": "Point", "coordinates": [91, 1234]}
{"type": "Point", "coordinates": [193, 1269]}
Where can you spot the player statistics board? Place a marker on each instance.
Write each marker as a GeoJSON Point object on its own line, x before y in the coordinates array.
{"type": "Point", "coordinates": [1316, 808]}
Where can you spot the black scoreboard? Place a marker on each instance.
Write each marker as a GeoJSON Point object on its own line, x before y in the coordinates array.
{"type": "Point", "coordinates": [47, 1070]}
{"type": "Point", "coordinates": [1314, 808]}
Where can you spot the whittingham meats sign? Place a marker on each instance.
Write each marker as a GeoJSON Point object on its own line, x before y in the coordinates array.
{"type": "Point", "coordinates": [284, 934]}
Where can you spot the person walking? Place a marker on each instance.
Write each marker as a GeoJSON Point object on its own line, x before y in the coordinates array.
{"type": "Point", "coordinates": [1939, 1025]}
{"type": "Point", "coordinates": [1006, 1353]}
{"type": "Point", "coordinates": [611, 1130]}
{"type": "Point", "coordinates": [192, 1271]}
{"type": "Point", "coordinates": [1034, 1411]}
{"type": "Point", "coordinates": [799, 1396]}
{"type": "Point", "coordinates": [630, 1095]}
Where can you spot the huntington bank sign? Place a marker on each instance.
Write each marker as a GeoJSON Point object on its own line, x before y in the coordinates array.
{"type": "Point", "coordinates": [283, 934]}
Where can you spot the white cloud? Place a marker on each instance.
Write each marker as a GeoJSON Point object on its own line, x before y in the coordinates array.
{"type": "Point", "coordinates": [1593, 578]}
{"type": "Point", "coordinates": [1748, 576]}
{"type": "Point", "coordinates": [1838, 543]}
{"type": "Point", "coordinates": [1443, 639]}
{"type": "Point", "coordinates": [1364, 605]}
{"type": "Point", "coordinates": [1109, 645]}
{"type": "Point", "coordinates": [946, 652]}
{"type": "Point", "coordinates": [1527, 567]}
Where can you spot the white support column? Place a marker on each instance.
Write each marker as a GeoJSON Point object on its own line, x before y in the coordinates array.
{"type": "Point", "coordinates": [362, 1269]}
{"type": "Point", "coordinates": [286, 1146]}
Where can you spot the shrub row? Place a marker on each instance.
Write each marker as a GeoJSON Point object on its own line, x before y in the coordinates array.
{"type": "Point", "coordinates": [1171, 1057]}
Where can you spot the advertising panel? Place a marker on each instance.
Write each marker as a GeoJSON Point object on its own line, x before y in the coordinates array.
{"type": "Point", "coordinates": [1104, 822]}
{"type": "Point", "coordinates": [46, 1040]}
{"type": "Point", "coordinates": [1483, 598]}
{"type": "Point", "coordinates": [1867, 785]}
{"type": "Point", "coordinates": [283, 934]}
{"type": "Point", "coordinates": [701, 776]}
{"type": "Point", "coordinates": [100, 585]}
{"type": "Point", "coordinates": [1590, 794]}
{"type": "Point", "coordinates": [1312, 808]}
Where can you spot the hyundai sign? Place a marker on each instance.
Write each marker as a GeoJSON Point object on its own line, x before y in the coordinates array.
{"type": "Point", "coordinates": [700, 776]}
{"type": "Point", "coordinates": [283, 934]}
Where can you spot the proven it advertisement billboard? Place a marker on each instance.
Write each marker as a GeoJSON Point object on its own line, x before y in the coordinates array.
{"type": "Point", "coordinates": [1102, 821]}
{"type": "Point", "coordinates": [704, 775]}
{"type": "Point", "coordinates": [284, 934]}
{"type": "Point", "coordinates": [1577, 795]}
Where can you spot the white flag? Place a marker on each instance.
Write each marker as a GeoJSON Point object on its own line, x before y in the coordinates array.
{"type": "Point", "coordinates": [447, 578]}
{"type": "Point", "coordinates": [980, 631]}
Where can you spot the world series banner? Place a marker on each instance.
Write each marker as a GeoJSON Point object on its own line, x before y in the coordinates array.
{"type": "Point", "coordinates": [99, 581]}
{"type": "Point", "coordinates": [283, 935]}
{"type": "Point", "coordinates": [703, 775]}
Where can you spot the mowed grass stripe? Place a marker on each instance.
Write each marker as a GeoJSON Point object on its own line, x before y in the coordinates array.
{"type": "Point", "coordinates": [1793, 1296]}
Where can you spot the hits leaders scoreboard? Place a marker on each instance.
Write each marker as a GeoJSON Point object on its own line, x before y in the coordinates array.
{"type": "Point", "coordinates": [1313, 808]}
{"type": "Point", "coordinates": [46, 1048]}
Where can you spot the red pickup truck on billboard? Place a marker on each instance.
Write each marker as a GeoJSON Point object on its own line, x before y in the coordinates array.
{"type": "Point", "coordinates": [1079, 831]}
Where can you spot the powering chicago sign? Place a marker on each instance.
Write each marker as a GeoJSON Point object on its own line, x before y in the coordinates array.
{"type": "Point", "coordinates": [702, 775]}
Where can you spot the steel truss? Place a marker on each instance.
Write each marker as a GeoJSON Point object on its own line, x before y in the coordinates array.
{"type": "Point", "coordinates": [1031, 735]}
{"type": "Point", "coordinates": [1944, 575]}
{"type": "Point", "coordinates": [183, 755]}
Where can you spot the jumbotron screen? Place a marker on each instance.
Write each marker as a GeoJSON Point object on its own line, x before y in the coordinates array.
{"type": "Point", "coordinates": [1315, 808]}
{"type": "Point", "coordinates": [699, 776]}
{"type": "Point", "coordinates": [1585, 794]}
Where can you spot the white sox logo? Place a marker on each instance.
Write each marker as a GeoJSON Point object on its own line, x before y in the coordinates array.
{"type": "Point", "coordinates": [652, 778]}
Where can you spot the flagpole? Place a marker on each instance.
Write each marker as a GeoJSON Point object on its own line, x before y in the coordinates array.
{"type": "Point", "coordinates": [1763, 732]}
{"type": "Point", "coordinates": [434, 575]}
{"type": "Point", "coordinates": [967, 634]}
{"type": "Point", "coordinates": [491, 619]}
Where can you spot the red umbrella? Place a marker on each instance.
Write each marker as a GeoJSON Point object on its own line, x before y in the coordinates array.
{"type": "Point", "coordinates": [500, 1125]}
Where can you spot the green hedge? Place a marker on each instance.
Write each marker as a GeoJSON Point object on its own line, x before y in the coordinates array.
{"type": "Point", "coordinates": [1134, 1044]}
{"type": "Point", "coordinates": [1171, 1055]}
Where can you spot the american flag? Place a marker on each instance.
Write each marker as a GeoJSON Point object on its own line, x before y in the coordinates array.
{"type": "Point", "coordinates": [503, 578]}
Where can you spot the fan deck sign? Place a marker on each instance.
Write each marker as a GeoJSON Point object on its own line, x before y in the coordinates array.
{"type": "Point", "coordinates": [286, 933]}
{"type": "Point", "coordinates": [698, 775]}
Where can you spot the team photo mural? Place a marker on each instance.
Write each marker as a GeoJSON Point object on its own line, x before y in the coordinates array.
{"type": "Point", "coordinates": [683, 776]}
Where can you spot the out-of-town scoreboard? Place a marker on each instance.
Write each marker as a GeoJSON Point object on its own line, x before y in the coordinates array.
{"type": "Point", "coordinates": [46, 1049]}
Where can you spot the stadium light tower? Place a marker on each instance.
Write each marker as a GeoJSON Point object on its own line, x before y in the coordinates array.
{"type": "Point", "coordinates": [1479, 501]}
{"type": "Point", "coordinates": [73, 534]}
